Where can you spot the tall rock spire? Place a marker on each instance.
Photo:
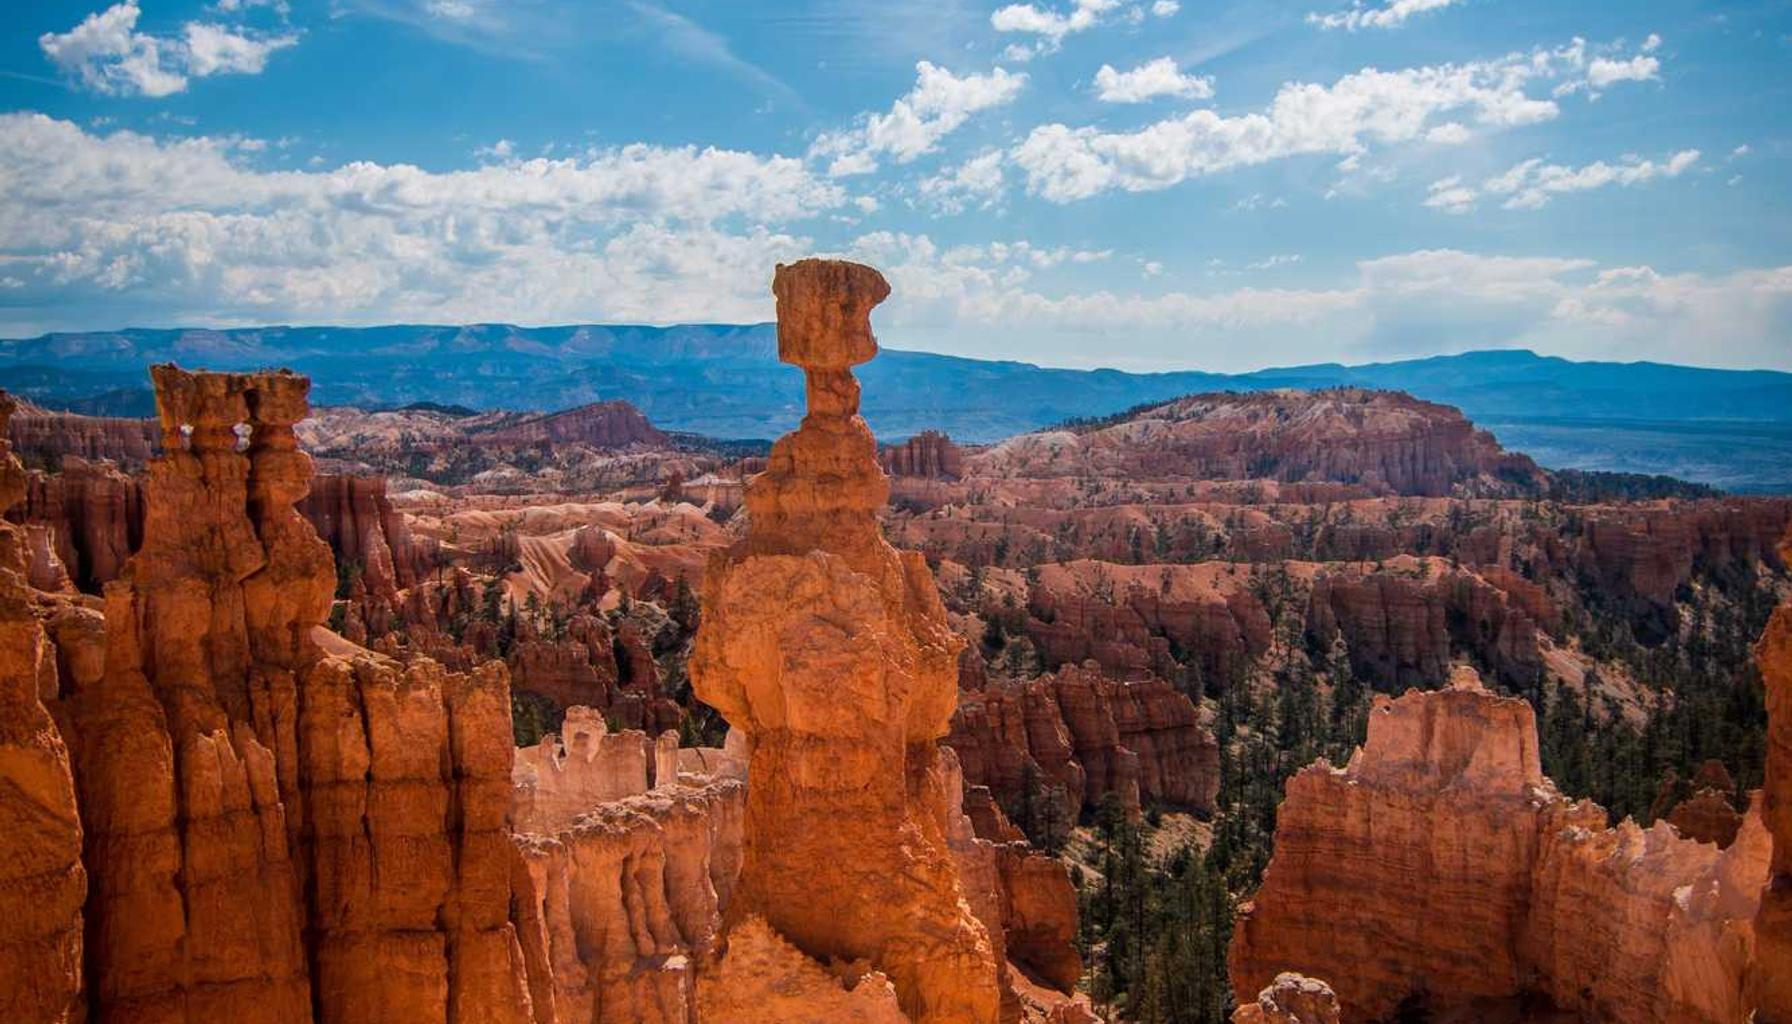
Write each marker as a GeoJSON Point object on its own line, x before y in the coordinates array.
{"type": "Point", "coordinates": [831, 652]}
{"type": "Point", "coordinates": [1772, 980]}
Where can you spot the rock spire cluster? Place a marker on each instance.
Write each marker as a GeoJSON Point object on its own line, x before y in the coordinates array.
{"type": "Point", "coordinates": [273, 825]}
{"type": "Point", "coordinates": [831, 652]}
{"type": "Point", "coordinates": [1441, 865]}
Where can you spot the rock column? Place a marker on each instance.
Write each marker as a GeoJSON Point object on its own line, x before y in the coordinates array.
{"type": "Point", "coordinates": [831, 652]}
{"type": "Point", "coordinates": [1772, 979]}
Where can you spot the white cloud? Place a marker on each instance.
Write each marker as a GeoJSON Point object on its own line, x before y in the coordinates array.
{"type": "Point", "coordinates": [1159, 77]}
{"type": "Point", "coordinates": [1531, 184]}
{"type": "Point", "coordinates": [180, 230]}
{"type": "Point", "coordinates": [1165, 8]}
{"type": "Point", "coordinates": [939, 104]}
{"type": "Point", "coordinates": [976, 182]}
{"type": "Point", "coordinates": [107, 54]}
{"type": "Point", "coordinates": [1451, 195]}
{"type": "Point", "coordinates": [1450, 133]}
{"type": "Point", "coordinates": [1414, 303]}
{"type": "Point", "coordinates": [1345, 118]}
{"type": "Point", "coordinates": [1051, 26]}
{"type": "Point", "coordinates": [1641, 68]}
{"type": "Point", "coordinates": [1272, 262]}
{"type": "Point", "coordinates": [217, 50]}
{"type": "Point", "coordinates": [1390, 15]}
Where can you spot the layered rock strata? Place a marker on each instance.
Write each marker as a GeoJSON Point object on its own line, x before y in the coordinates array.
{"type": "Point", "coordinates": [1771, 984]}
{"type": "Point", "coordinates": [1082, 734]}
{"type": "Point", "coordinates": [94, 515]}
{"type": "Point", "coordinates": [832, 654]}
{"type": "Point", "coordinates": [1442, 867]}
{"type": "Point", "coordinates": [277, 826]}
{"type": "Point", "coordinates": [42, 881]}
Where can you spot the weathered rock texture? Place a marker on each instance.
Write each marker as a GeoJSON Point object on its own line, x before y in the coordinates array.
{"type": "Point", "coordinates": [1772, 980]}
{"type": "Point", "coordinates": [45, 438]}
{"type": "Point", "coordinates": [1442, 865]}
{"type": "Point", "coordinates": [622, 906]}
{"type": "Point", "coordinates": [94, 515]}
{"type": "Point", "coordinates": [366, 534]}
{"type": "Point", "coordinates": [273, 833]}
{"type": "Point", "coordinates": [1087, 735]}
{"type": "Point", "coordinates": [929, 454]}
{"type": "Point", "coordinates": [582, 766]}
{"type": "Point", "coordinates": [832, 653]}
{"type": "Point", "coordinates": [1291, 999]}
{"type": "Point", "coordinates": [42, 882]}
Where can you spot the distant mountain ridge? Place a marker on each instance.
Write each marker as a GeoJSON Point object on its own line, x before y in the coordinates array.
{"type": "Point", "coordinates": [1729, 428]}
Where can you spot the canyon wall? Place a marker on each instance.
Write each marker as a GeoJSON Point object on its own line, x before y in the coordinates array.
{"type": "Point", "coordinates": [1442, 866]}
{"type": "Point", "coordinates": [1087, 735]}
{"type": "Point", "coordinates": [44, 438]}
{"type": "Point", "coordinates": [1772, 980]}
{"type": "Point", "coordinates": [42, 881]}
{"type": "Point", "coordinates": [275, 826]}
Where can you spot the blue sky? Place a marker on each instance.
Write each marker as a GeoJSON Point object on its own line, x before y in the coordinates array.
{"type": "Point", "coordinates": [1135, 183]}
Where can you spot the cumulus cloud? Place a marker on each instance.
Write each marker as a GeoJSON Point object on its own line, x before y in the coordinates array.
{"type": "Point", "coordinates": [976, 182]}
{"type": "Point", "coordinates": [1531, 184]}
{"type": "Point", "coordinates": [1345, 118]}
{"type": "Point", "coordinates": [1049, 26]}
{"type": "Point", "coordinates": [1604, 71]}
{"type": "Point", "coordinates": [106, 53]}
{"type": "Point", "coordinates": [939, 104]}
{"type": "Point", "coordinates": [1165, 8]}
{"type": "Point", "coordinates": [1390, 15]}
{"type": "Point", "coordinates": [183, 229]}
{"type": "Point", "coordinates": [1160, 77]}
{"type": "Point", "coordinates": [1400, 305]}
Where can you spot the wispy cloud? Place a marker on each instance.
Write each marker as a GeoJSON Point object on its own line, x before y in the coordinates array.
{"type": "Point", "coordinates": [693, 42]}
{"type": "Point", "coordinates": [1362, 109]}
{"type": "Point", "coordinates": [1392, 14]}
{"type": "Point", "coordinates": [1531, 184]}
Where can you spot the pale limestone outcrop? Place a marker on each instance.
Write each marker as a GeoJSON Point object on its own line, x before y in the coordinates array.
{"type": "Point", "coordinates": [1291, 999]}
{"type": "Point", "coordinates": [1442, 865]}
{"type": "Point", "coordinates": [622, 907]}
{"type": "Point", "coordinates": [570, 772]}
{"type": "Point", "coordinates": [832, 653]}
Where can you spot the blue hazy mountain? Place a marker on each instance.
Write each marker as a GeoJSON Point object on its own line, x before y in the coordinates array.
{"type": "Point", "coordinates": [1725, 427]}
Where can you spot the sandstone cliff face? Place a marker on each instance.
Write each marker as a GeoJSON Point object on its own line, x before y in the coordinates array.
{"type": "Point", "coordinates": [1772, 980]}
{"type": "Point", "coordinates": [42, 882]}
{"type": "Point", "coordinates": [832, 653]}
{"type": "Point", "coordinates": [44, 438]}
{"type": "Point", "coordinates": [94, 515]}
{"type": "Point", "coordinates": [1441, 864]}
{"type": "Point", "coordinates": [271, 833]}
{"type": "Point", "coordinates": [354, 517]}
{"type": "Point", "coordinates": [1088, 735]}
{"type": "Point", "coordinates": [929, 455]}
{"type": "Point", "coordinates": [622, 907]}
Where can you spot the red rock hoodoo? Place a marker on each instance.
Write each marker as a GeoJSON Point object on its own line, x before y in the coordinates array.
{"type": "Point", "coordinates": [1442, 866]}
{"type": "Point", "coordinates": [275, 825]}
{"type": "Point", "coordinates": [1771, 984]}
{"type": "Point", "coordinates": [831, 652]}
